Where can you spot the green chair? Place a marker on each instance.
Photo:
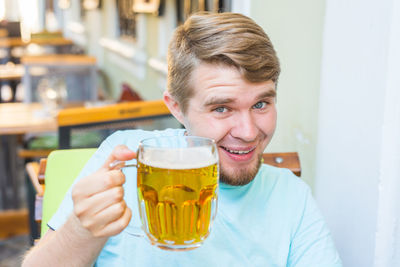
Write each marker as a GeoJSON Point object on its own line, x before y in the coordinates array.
{"type": "Point", "coordinates": [63, 166]}
{"type": "Point", "coordinates": [60, 170]}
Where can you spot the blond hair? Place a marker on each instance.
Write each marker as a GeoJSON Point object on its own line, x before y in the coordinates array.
{"type": "Point", "coordinates": [219, 38]}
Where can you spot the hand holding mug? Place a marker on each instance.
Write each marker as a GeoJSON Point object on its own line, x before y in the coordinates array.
{"type": "Point", "coordinates": [99, 198]}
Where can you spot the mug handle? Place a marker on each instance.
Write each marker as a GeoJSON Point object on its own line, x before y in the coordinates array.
{"type": "Point", "coordinates": [120, 163]}
{"type": "Point", "coordinates": [135, 231]}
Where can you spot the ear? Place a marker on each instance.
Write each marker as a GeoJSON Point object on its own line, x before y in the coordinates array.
{"type": "Point", "coordinates": [173, 106]}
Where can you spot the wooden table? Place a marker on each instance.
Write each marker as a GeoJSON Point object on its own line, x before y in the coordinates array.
{"type": "Point", "coordinates": [8, 42]}
{"type": "Point", "coordinates": [11, 72]}
{"type": "Point", "coordinates": [22, 118]}
{"type": "Point", "coordinates": [3, 33]}
{"type": "Point", "coordinates": [15, 119]}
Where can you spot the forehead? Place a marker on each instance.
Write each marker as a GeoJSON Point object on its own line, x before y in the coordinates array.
{"type": "Point", "coordinates": [221, 81]}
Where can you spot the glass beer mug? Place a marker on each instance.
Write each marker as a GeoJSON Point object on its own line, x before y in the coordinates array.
{"type": "Point", "coordinates": [177, 185]}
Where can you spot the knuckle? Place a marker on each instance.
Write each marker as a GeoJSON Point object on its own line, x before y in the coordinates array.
{"type": "Point", "coordinates": [78, 210]}
{"type": "Point", "coordinates": [120, 207]}
{"type": "Point", "coordinates": [125, 222]}
{"type": "Point", "coordinates": [118, 225]}
{"type": "Point", "coordinates": [119, 175]}
{"type": "Point", "coordinates": [97, 234]}
{"type": "Point", "coordinates": [108, 181]}
{"type": "Point", "coordinates": [86, 224]}
{"type": "Point", "coordinates": [122, 178]}
{"type": "Point", "coordinates": [119, 193]}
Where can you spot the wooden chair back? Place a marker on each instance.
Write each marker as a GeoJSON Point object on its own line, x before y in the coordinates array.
{"type": "Point", "coordinates": [288, 160]}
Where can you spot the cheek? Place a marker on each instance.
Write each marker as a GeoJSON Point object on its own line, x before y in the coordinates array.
{"type": "Point", "coordinates": [208, 127]}
{"type": "Point", "coordinates": [267, 124]}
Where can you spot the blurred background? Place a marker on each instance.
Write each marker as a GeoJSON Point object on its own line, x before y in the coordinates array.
{"type": "Point", "coordinates": [338, 94]}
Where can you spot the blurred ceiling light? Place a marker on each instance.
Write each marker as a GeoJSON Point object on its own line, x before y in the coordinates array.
{"type": "Point", "coordinates": [51, 21]}
{"type": "Point", "coordinates": [38, 71]}
{"type": "Point", "coordinates": [91, 4]}
{"type": "Point", "coordinates": [29, 14]}
{"type": "Point", "coordinates": [34, 50]}
{"type": "Point", "coordinates": [64, 4]}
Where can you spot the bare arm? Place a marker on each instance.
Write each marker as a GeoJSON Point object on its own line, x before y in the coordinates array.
{"type": "Point", "coordinates": [71, 245]}
{"type": "Point", "coordinates": [99, 212]}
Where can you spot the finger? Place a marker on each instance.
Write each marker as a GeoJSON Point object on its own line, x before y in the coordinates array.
{"type": "Point", "coordinates": [96, 203]}
{"type": "Point", "coordinates": [120, 152]}
{"type": "Point", "coordinates": [97, 222]}
{"type": "Point", "coordinates": [118, 225]}
{"type": "Point", "coordinates": [96, 183]}
{"type": "Point", "coordinates": [110, 214]}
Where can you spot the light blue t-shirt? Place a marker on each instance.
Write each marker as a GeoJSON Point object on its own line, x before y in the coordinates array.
{"type": "Point", "coordinates": [272, 221]}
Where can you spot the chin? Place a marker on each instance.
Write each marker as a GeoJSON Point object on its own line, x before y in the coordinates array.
{"type": "Point", "coordinates": [240, 176]}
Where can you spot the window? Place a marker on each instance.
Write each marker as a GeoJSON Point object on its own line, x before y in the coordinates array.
{"type": "Point", "coordinates": [187, 7]}
{"type": "Point", "coordinates": [127, 19]}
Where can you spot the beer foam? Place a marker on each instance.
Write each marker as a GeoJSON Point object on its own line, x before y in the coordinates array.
{"type": "Point", "coordinates": [179, 158]}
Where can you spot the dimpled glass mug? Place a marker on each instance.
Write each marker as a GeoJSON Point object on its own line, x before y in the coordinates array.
{"type": "Point", "coordinates": [177, 186]}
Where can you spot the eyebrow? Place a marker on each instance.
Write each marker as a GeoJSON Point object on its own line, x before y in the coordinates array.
{"type": "Point", "coordinates": [215, 100]}
{"type": "Point", "coordinates": [269, 94]}
{"type": "Point", "coordinates": [218, 101]}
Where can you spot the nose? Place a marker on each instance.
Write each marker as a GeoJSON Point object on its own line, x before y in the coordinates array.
{"type": "Point", "coordinates": [244, 127]}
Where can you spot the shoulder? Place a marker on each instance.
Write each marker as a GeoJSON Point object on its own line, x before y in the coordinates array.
{"type": "Point", "coordinates": [283, 180]}
{"type": "Point", "coordinates": [281, 189]}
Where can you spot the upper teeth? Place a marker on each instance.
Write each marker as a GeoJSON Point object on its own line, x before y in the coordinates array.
{"type": "Point", "coordinates": [238, 151]}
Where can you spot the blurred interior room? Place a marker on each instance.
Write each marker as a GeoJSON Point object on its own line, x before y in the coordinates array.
{"type": "Point", "coordinates": [66, 63]}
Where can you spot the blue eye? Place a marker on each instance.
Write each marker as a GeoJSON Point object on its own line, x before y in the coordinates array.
{"type": "Point", "coordinates": [221, 109]}
{"type": "Point", "coordinates": [260, 105]}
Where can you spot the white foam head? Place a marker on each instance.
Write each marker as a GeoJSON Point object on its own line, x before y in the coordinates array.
{"type": "Point", "coordinates": [179, 158]}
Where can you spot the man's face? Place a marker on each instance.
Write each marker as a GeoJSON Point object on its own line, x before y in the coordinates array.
{"type": "Point", "coordinates": [240, 116]}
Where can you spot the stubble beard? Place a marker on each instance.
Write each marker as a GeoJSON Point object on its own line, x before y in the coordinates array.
{"type": "Point", "coordinates": [242, 176]}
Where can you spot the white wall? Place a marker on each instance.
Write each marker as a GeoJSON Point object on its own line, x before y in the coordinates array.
{"type": "Point", "coordinates": [387, 248]}
{"type": "Point", "coordinates": [358, 132]}
{"type": "Point", "coordinates": [295, 29]}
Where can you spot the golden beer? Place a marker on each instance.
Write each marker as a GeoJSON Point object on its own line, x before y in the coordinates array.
{"type": "Point", "coordinates": [177, 202]}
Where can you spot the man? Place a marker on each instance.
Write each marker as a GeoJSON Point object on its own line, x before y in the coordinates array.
{"type": "Point", "coordinates": [222, 75]}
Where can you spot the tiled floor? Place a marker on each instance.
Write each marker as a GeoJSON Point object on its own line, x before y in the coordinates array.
{"type": "Point", "coordinates": [12, 250]}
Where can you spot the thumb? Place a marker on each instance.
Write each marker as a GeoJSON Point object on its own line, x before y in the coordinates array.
{"type": "Point", "coordinates": [120, 152]}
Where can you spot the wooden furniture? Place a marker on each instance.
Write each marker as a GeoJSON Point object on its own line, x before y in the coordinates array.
{"type": "Point", "coordinates": [76, 72]}
{"type": "Point", "coordinates": [288, 160]}
{"type": "Point", "coordinates": [22, 118]}
{"type": "Point", "coordinates": [14, 222]}
{"type": "Point", "coordinates": [108, 117]}
{"type": "Point", "coordinates": [52, 178]}
{"type": "Point", "coordinates": [9, 42]}
{"type": "Point", "coordinates": [3, 33]}
{"type": "Point", "coordinates": [15, 46]}
{"type": "Point", "coordinates": [53, 184]}
{"type": "Point", "coordinates": [11, 72]}
{"type": "Point", "coordinates": [16, 119]}
{"type": "Point", "coordinates": [116, 116]}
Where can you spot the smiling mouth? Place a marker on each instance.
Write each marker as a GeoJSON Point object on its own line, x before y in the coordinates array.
{"type": "Point", "coordinates": [238, 152]}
